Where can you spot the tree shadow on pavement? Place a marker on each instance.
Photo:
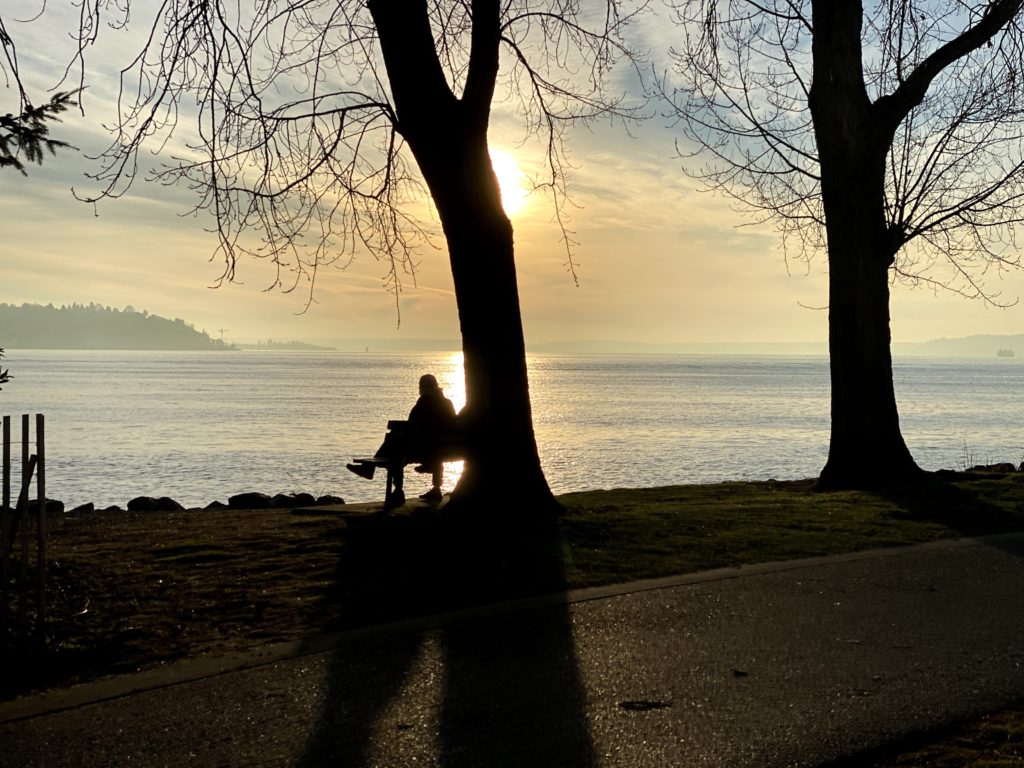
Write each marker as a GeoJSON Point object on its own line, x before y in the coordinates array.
{"type": "Point", "coordinates": [495, 690]}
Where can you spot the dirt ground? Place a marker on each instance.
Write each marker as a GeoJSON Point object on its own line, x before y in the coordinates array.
{"type": "Point", "coordinates": [132, 589]}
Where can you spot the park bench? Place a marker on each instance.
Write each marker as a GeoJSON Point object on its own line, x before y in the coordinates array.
{"type": "Point", "coordinates": [449, 445]}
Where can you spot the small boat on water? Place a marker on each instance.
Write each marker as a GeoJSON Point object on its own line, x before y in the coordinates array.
{"type": "Point", "coordinates": [1004, 353]}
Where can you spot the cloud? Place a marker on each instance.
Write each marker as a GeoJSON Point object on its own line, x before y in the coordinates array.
{"type": "Point", "coordinates": [657, 259]}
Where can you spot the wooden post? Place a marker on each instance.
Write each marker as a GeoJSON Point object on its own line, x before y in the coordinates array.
{"type": "Point", "coordinates": [40, 525]}
{"type": "Point", "coordinates": [5, 515]}
{"type": "Point", "coordinates": [26, 478]}
{"type": "Point", "coordinates": [21, 521]}
{"type": "Point", "coordinates": [27, 465]}
{"type": "Point", "coordinates": [5, 510]}
{"type": "Point", "coordinates": [7, 462]}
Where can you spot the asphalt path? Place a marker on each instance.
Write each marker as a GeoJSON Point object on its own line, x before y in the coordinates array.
{"type": "Point", "coordinates": [790, 664]}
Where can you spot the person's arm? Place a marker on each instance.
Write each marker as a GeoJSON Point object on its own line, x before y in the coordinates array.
{"type": "Point", "coordinates": [416, 414]}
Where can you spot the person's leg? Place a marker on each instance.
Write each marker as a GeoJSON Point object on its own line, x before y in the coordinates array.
{"type": "Point", "coordinates": [394, 445]}
{"type": "Point", "coordinates": [397, 470]}
{"type": "Point", "coordinates": [436, 469]}
{"type": "Point", "coordinates": [395, 450]}
{"type": "Point", "coordinates": [396, 479]}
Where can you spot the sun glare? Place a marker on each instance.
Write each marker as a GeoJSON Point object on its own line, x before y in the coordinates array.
{"type": "Point", "coordinates": [453, 377]}
{"type": "Point", "coordinates": [511, 181]}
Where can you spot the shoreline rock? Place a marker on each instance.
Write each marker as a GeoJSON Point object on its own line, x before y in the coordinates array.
{"type": "Point", "coordinates": [52, 506]}
{"type": "Point", "coordinates": [149, 504]}
{"type": "Point", "coordinates": [143, 504]}
{"type": "Point", "coordinates": [1004, 467]}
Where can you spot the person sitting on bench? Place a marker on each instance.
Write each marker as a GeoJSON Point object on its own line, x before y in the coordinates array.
{"type": "Point", "coordinates": [432, 415]}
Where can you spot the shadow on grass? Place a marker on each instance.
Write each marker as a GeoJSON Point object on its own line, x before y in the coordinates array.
{"type": "Point", "coordinates": [498, 691]}
{"type": "Point", "coordinates": [970, 503]}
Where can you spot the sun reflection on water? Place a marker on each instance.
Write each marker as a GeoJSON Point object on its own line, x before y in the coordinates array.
{"type": "Point", "coordinates": [452, 378]}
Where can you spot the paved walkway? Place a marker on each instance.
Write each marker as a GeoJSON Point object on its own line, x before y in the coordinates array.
{"type": "Point", "coordinates": [790, 664]}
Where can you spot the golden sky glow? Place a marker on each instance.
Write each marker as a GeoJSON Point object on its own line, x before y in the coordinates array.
{"type": "Point", "coordinates": [656, 260]}
{"type": "Point", "coordinates": [511, 179]}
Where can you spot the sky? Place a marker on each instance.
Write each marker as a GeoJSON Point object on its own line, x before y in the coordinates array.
{"type": "Point", "coordinates": [657, 260]}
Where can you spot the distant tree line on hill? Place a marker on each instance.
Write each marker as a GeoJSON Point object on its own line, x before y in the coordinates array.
{"type": "Point", "coordinates": [93, 326]}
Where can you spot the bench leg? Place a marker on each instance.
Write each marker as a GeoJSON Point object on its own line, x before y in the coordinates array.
{"type": "Point", "coordinates": [388, 490]}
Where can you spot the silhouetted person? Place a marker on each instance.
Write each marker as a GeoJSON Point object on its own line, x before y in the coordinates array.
{"type": "Point", "coordinates": [431, 417]}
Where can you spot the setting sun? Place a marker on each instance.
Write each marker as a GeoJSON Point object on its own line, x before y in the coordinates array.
{"type": "Point", "coordinates": [510, 180]}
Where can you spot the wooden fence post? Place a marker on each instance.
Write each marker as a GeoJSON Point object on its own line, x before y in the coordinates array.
{"type": "Point", "coordinates": [18, 518]}
{"type": "Point", "coordinates": [5, 515]}
{"type": "Point", "coordinates": [40, 524]}
{"type": "Point", "coordinates": [26, 478]}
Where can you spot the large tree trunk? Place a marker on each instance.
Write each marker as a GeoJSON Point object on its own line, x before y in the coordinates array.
{"type": "Point", "coordinates": [866, 447]}
{"type": "Point", "coordinates": [502, 447]}
{"type": "Point", "coordinates": [448, 138]}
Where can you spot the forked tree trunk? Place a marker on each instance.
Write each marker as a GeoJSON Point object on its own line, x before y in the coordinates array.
{"type": "Point", "coordinates": [448, 138]}
{"type": "Point", "coordinates": [503, 462]}
{"type": "Point", "coordinates": [866, 448]}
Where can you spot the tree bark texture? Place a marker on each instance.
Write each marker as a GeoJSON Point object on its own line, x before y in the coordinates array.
{"type": "Point", "coordinates": [866, 446]}
{"type": "Point", "coordinates": [448, 137]}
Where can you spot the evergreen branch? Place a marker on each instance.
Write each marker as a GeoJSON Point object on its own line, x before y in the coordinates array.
{"type": "Point", "coordinates": [25, 138]}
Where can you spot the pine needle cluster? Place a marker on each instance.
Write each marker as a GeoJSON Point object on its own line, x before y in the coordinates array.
{"type": "Point", "coordinates": [25, 138]}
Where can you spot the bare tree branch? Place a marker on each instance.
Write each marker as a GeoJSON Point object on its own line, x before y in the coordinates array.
{"type": "Point", "coordinates": [297, 152]}
{"type": "Point", "coordinates": [945, 79]}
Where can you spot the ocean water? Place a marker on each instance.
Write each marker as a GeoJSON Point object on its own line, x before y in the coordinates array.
{"type": "Point", "coordinates": [204, 426]}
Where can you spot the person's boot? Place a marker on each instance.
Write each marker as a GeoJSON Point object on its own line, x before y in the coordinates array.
{"type": "Point", "coordinates": [397, 499]}
{"type": "Point", "coordinates": [434, 494]}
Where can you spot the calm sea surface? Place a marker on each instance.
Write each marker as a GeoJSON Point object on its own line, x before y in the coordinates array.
{"type": "Point", "coordinates": [204, 426]}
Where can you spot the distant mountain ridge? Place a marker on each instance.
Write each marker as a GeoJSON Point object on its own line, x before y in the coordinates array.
{"type": "Point", "coordinates": [93, 326]}
{"type": "Point", "coordinates": [981, 344]}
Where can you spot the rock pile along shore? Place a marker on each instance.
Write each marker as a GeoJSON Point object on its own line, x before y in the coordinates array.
{"type": "Point", "coordinates": [249, 500]}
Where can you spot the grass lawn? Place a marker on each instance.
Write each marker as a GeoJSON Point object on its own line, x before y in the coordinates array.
{"type": "Point", "coordinates": [134, 590]}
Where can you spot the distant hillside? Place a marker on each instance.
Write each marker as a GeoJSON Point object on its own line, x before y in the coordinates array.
{"type": "Point", "coordinates": [980, 345]}
{"type": "Point", "coordinates": [79, 326]}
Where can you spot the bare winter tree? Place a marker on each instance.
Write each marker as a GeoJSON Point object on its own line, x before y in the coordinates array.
{"type": "Point", "coordinates": [890, 133]}
{"type": "Point", "coordinates": [311, 114]}
{"type": "Point", "coordinates": [25, 134]}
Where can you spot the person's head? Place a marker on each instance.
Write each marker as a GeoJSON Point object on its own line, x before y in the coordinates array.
{"type": "Point", "coordinates": [428, 384]}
